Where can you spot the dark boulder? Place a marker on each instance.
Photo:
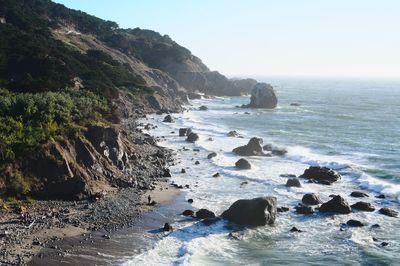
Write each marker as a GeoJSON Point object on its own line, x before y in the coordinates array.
{"type": "Point", "coordinates": [321, 175]}
{"type": "Point", "coordinates": [311, 199]}
{"type": "Point", "coordinates": [183, 171]}
{"type": "Point", "coordinates": [363, 206]}
{"type": "Point", "coordinates": [197, 163]}
{"type": "Point", "coordinates": [203, 108]}
{"type": "Point", "coordinates": [282, 209]}
{"type": "Point", "coordinates": [336, 205]}
{"type": "Point", "coordinates": [168, 119]}
{"type": "Point", "coordinates": [254, 147]}
{"type": "Point", "coordinates": [253, 212]}
{"type": "Point", "coordinates": [354, 223]}
{"type": "Point", "coordinates": [243, 164]}
{"type": "Point", "coordinates": [184, 132]}
{"type": "Point", "coordinates": [216, 175]}
{"type": "Point", "coordinates": [211, 155]}
{"type": "Point", "coordinates": [359, 194]}
{"type": "Point", "coordinates": [380, 196]}
{"type": "Point", "coordinates": [167, 227]}
{"type": "Point", "coordinates": [262, 96]}
{"type": "Point", "coordinates": [190, 200]}
{"type": "Point", "coordinates": [188, 213]}
{"type": "Point", "coordinates": [389, 212]}
{"type": "Point", "coordinates": [302, 209]}
{"type": "Point", "coordinates": [192, 137]}
{"type": "Point", "coordinates": [295, 230]}
{"type": "Point", "coordinates": [166, 173]}
{"type": "Point", "coordinates": [293, 182]}
{"type": "Point", "coordinates": [204, 214]}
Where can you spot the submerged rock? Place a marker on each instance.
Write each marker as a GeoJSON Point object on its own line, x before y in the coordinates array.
{"type": "Point", "coordinates": [295, 229]}
{"type": "Point", "coordinates": [336, 205]}
{"type": "Point", "coordinates": [254, 147]}
{"type": "Point", "coordinates": [311, 199]}
{"type": "Point", "coordinates": [216, 175]}
{"type": "Point", "coordinates": [253, 212]}
{"type": "Point", "coordinates": [293, 182]}
{"type": "Point", "coordinates": [203, 108]}
{"type": "Point", "coordinates": [243, 164]}
{"type": "Point", "coordinates": [321, 175]}
{"type": "Point", "coordinates": [262, 96]}
{"type": "Point", "coordinates": [192, 137]}
{"type": "Point", "coordinates": [389, 212]}
{"type": "Point", "coordinates": [282, 209]}
{"type": "Point", "coordinates": [363, 206]}
{"type": "Point", "coordinates": [233, 134]}
{"type": "Point", "coordinates": [204, 213]}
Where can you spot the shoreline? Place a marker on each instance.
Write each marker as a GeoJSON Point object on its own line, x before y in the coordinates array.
{"type": "Point", "coordinates": [105, 247]}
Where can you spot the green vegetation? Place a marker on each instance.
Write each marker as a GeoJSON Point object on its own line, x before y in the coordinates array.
{"type": "Point", "coordinates": [29, 120]}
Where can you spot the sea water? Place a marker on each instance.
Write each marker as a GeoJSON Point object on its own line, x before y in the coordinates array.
{"type": "Point", "coordinates": [351, 126]}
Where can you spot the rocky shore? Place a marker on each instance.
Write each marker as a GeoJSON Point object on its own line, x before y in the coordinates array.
{"type": "Point", "coordinates": [33, 229]}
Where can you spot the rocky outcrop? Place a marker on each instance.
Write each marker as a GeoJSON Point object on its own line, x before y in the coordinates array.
{"type": "Point", "coordinates": [99, 161]}
{"type": "Point", "coordinates": [262, 96]}
{"type": "Point", "coordinates": [321, 175]}
{"type": "Point", "coordinates": [254, 147]}
{"type": "Point", "coordinates": [336, 205]}
{"type": "Point", "coordinates": [252, 212]}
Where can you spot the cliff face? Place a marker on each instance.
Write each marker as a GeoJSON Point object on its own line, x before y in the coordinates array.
{"type": "Point", "coordinates": [65, 54]}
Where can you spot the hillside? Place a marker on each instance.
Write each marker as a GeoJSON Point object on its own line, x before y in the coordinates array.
{"type": "Point", "coordinates": [69, 82]}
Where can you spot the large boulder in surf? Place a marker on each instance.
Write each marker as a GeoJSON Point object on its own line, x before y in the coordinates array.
{"type": "Point", "coordinates": [243, 164]}
{"type": "Point", "coordinates": [336, 205]}
{"type": "Point", "coordinates": [252, 212]}
{"type": "Point", "coordinates": [262, 96]}
{"type": "Point", "coordinates": [192, 137]}
{"type": "Point", "coordinates": [321, 175]}
{"type": "Point", "coordinates": [359, 194]}
{"type": "Point", "coordinates": [254, 147]}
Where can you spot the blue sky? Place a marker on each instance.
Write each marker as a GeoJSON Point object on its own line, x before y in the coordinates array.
{"type": "Point", "coordinates": [342, 38]}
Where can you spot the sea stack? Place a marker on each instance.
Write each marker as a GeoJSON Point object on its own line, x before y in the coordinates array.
{"type": "Point", "coordinates": [262, 96]}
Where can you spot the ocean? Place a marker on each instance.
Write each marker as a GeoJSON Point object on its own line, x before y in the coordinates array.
{"type": "Point", "coordinates": [351, 126]}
